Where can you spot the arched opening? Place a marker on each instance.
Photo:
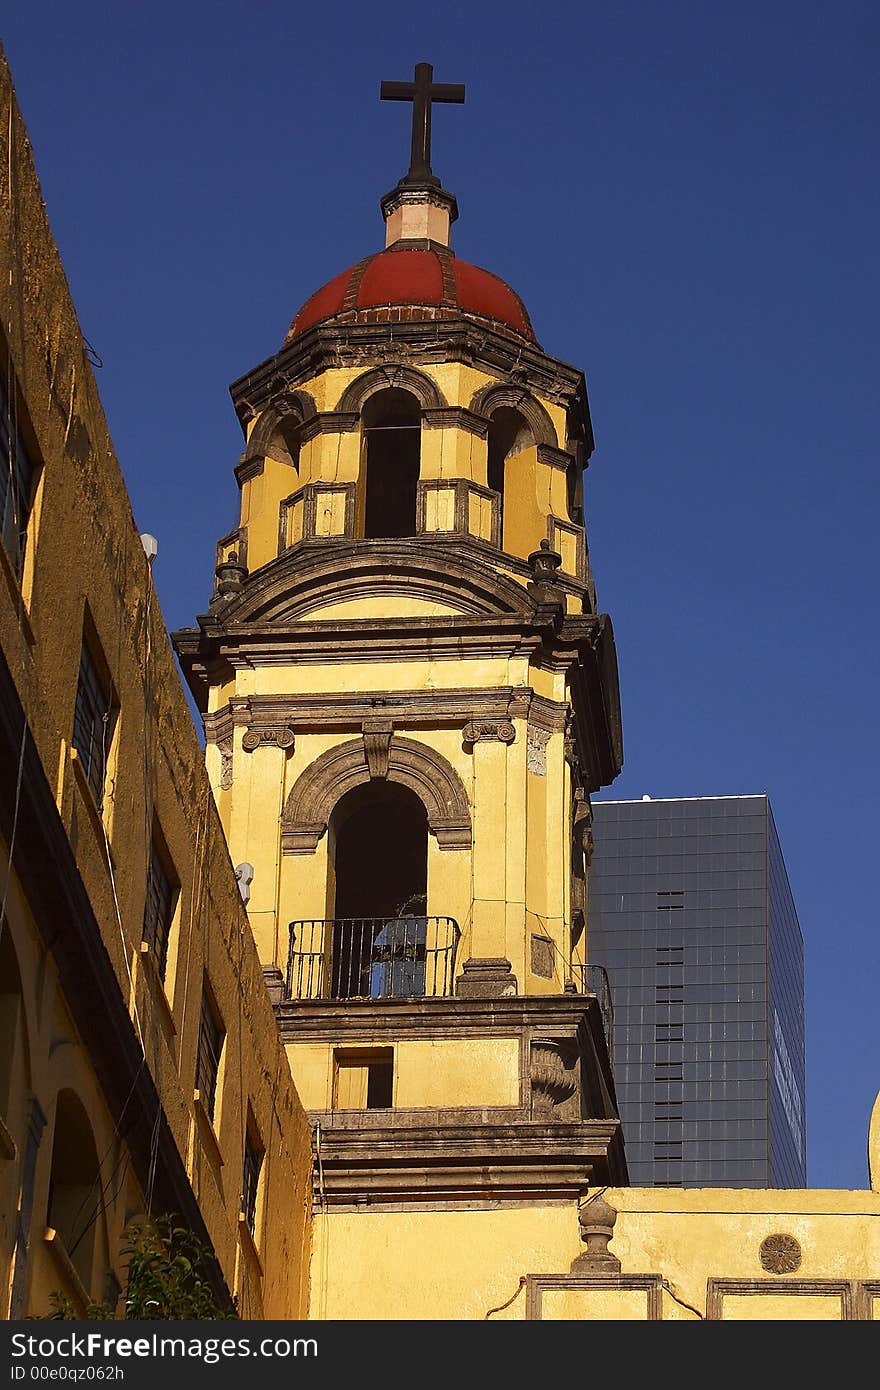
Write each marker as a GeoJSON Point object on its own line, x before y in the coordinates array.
{"type": "Point", "coordinates": [283, 444]}
{"type": "Point", "coordinates": [392, 446]}
{"type": "Point", "coordinates": [75, 1193]}
{"type": "Point", "coordinates": [379, 833]}
{"type": "Point", "coordinates": [12, 1042]}
{"type": "Point", "coordinates": [509, 434]}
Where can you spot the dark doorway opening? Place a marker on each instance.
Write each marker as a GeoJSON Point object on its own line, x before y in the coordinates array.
{"type": "Point", "coordinates": [392, 430]}
{"type": "Point", "coordinates": [381, 869]}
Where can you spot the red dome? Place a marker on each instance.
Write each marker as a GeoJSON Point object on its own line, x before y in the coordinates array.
{"type": "Point", "coordinates": [400, 286]}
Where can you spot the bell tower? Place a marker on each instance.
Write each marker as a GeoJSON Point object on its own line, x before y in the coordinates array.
{"type": "Point", "coordinates": [408, 697]}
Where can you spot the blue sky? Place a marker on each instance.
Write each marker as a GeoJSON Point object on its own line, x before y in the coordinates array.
{"type": "Point", "coordinates": [686, 198]}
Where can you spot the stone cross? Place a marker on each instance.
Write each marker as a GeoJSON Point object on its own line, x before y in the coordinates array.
{"type": "Point", "coordinates": [421, 92]}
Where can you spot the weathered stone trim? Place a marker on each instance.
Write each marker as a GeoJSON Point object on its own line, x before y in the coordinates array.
{"type": "Point", "coordinates": [459, 338]}
{"type": "Point", "coordinates": [414, 765]}
{"type": "Point", "coordinates": [369, 1157]}
{"type": "Point", "coordinates": [491, 398]}
{"type": "Point", "coordinates": [329, 422]}
{"type": "Point", "coordinates": [555, 457]}
{"type": "Point", "coordinates": [555, 527]}
{"type": "Point", "coordinates": [462, 489]}
{"type": "Point", "coordinates": [455, 417]}
{"type": "Point", "coordinates": [236, 540]}
{"type": "Point", "coordinates": [846, 1290]}
{"type": "Point", "coordinates": [397, 376]}
{"type": "Point", "coordinates": [404, 708]}
{"type": "Point", "coordinates": [248, 468]}
{"type": "Point", "coordinates": [539, 1284]}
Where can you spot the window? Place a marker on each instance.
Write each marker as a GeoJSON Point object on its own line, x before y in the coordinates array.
{"type": "Point", "coordinates": [159, 906]}
{"type": "Point", "coordinates": [18, 475]}
{"type": "Point", "coordinates": [250, 1179]}
{"type": "Point", "coordinates": [211, 1038]}
{"type": "Point", "coordinates": [364, 1079]}
{"type": "Point", "coordinates": [92, 722]}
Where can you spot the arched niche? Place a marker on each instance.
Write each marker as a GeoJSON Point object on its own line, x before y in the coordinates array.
{"type": "Point", "coordinates": [359, 391]}
{"type": "Point", "coordinates": [14, 1054]}
{"type": "Point", "coordinates": [498, 396]}
{"type": "Point", "coordinates": [352, 764]}
{"type": "Point", "coordinates": [510, 434]}
{"type": "Point", "coordinates": [75, 1192]}
{"type": "Point", "coordinates": [276, 433]}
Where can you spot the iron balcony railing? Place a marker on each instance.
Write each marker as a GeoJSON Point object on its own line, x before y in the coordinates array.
{"type": "Point", "coordinates": [593, 979]}
{"type": "Point", "coordinates": [371, 957]}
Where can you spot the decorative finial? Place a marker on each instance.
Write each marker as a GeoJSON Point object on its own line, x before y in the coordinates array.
{"type": "Point", "coordinates": [596, 1219]}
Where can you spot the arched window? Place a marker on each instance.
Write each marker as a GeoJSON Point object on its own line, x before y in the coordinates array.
{"type": "Point", "coordinates": [392, 446]}
{"type": "Point", "coordinates": [379, 838]}
{"type": "Point", "coordinates": [75, 1193]}
{"type": "Point", "coordinates": [509, 434]}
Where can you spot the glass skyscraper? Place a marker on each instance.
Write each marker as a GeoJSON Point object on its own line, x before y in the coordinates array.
{"type": "Point", "coordinates": [692, 915]}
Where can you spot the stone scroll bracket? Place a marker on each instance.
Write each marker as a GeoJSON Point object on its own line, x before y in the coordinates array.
{"type": "Point", "coordinates": [378, 753]}
{"type": "Point", "coordinates": [488, 731]}
{"type": "Point", "coordinates": [268, 736]}
{"type": "Point", "coordinates": [377, 746]}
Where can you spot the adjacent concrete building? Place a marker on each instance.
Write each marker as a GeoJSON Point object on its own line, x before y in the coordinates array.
{"type": "Point", "coordinates": [692, 915]}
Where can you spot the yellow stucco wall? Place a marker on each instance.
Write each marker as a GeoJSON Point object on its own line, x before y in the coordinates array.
{"type": "Point", "coordinates": [435, 1264]}
{"type": "Point", "coordinates": [435, 1073]}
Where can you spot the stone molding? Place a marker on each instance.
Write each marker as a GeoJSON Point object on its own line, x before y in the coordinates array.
{"type": "Point", "coordinates": [454, 339]}
{"type": "Point", "coordinates": [539, 1284]}
{"type": "Point", "coordinates": [515, 397]}
{"type": "Point", "coordinates": [411, 764]}
{"type": "Point", "coordinates": [456, 417]}
{"type": "Point", "coordinates": [392, 376]}
{"type": "Point", "coordinates": [370, 1157]}
{"type": "Point", "coordinates": [404, 708]}
{"type": "Point", "coordinates": [486, 978]}
{"type": "Point", "coordinates": [849, 1292]}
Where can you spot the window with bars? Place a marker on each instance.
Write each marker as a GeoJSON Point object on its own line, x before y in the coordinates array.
{"type": "Point", "coordinates": [250, 1180]}
{"type": "Point", "coordinates": [93, 719]}
{"type": "Point", "coordinates": [211, 1037]}
{"type": "Point", "coordinates": [18, 475]}
{"type": "Point", "coordinates": [159, 905]}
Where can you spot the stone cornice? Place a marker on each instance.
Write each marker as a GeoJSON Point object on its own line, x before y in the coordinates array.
{"type": "Point", "coordinates": [458, 339]}
{"type": "Point", "coordinates": [369, 1159]}
{"type": "Point", "coordinates": [359, 1020]}
{"type": "Point", "coordinates": [403, 708]}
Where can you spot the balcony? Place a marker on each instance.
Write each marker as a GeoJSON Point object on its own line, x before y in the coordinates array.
{"type": "Point", "coordinates": [371, 958]}
{"type": "Point", "coordinates": [593, 979]}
